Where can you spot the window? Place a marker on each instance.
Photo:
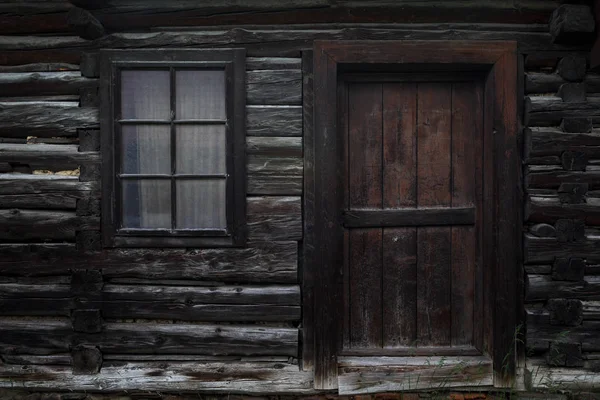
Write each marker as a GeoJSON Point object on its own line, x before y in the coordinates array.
{"type": "Point", "coordinates": [173, 148]}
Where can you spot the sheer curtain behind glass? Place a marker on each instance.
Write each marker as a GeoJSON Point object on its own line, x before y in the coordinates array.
{"type": "Point", "coordinates": [200, 148]}
{"type": "Point", "coordinates": [146, 149]}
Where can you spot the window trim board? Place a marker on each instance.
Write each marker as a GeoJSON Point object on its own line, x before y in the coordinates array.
{"type": "Point", "coordinates": [232, 60]}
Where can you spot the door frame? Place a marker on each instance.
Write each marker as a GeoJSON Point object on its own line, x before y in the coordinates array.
{"type": "Point", "coordinates": [322, 266]}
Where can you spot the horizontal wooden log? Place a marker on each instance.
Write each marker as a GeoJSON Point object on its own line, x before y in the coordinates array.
{"type": "Point", "coordinates": [541, 250]}
{"type": "Point", "coordinates": [279, 63]}
{"type": "Point", "coordinates": [414, 373]}
{"type": "Point", "coordinates": [51, 201]}
{"type": "Point", "coordinates": [550, 110]}
{"type": "Point", "coordinates": [22, 119]}
{"type": "Point", "coordinates": [28, 224]}
{"type": "Point", "coordinates": [50, 337]}
{"type": "Point", "coordinates": [544, 377]}
{"type": "Point", "coordinates": [268, 175]}
{"type": "Point", "coordinates": [55, 359]}
{"type": "Point", "coordinates": [540, 336]}
{"type": "Point", "coordinates": [21, 299]}
{"type": "Point", "coordinates": [47, 155]}
{"type": "Point", "coordinates": [273, 120]}
{"type": "Point", "coordinates": [39, 67]}
{"type": "Point", "coordinates": [540, 82]}
{"type": "Point", "coordinates": [258, 43]}
{"type": "Point", "coordinates": [408, 217]}
{"type": "Point", "coordinates": [549, 209]}
{"type": "Point", "coordinates": [25, 184]}
{"type": "Point", "coordinates": [276, 146]}
{"type": "Point", "coordinates": [283, 87]}
{"type": "Point", "coordinates": [274, 218]}
{"type": "Point", "coordinates": [210, 377]}
{"type": "Point", "coordinates": [43, 83]}
{"type": "Point", "coordinates": [540, 179]}
{"type": "Point", "coordinates": [543, 287]}
{"type": "Point", "coordinates": [553, 142]}
{"type": "Point", "coordinates": [591, 310]}
{"type": "Point", "coordinates": [275, 262]}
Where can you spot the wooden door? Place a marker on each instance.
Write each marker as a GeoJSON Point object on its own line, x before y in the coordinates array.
{"type": "Point", "coordinates": [412, 214]}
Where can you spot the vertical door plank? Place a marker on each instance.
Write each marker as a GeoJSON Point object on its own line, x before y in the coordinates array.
{"type": "Point", "coordinates": [399, 190]}
{"type": "Point", "coordinates": [433, 189]}
{"type": "Point", "coordinates": [365, 288]}
{"type": "Point", "coordinates": [365, 142]}
{"type": "Point", "coordinates": [466, 126]}
{"type": "Point", "coordinates": [399, 287]}
{"type": "Point", "coordinates": [365, 190]}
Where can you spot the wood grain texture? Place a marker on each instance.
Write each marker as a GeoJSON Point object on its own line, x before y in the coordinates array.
{"type": "Point", "coordinates": [553, 141]}
{"type": "Point", "coordinates": [269, 120]}
{"type": "Point", "coordinates": [43, 83]}
{"type": "Point", "coordinates": [548, 209]}
{"type": "Point", "coordinates": [32, 224]}
{"type": "Point", "coordinates": [272, 175]}
{"type": "Point", "coordinates": [274, 218]}
{"type": "Point", "coordinates": [283, 87]}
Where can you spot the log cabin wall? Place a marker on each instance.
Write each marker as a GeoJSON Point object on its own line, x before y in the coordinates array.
{"type": "Point", "coordinates": [75, 316]}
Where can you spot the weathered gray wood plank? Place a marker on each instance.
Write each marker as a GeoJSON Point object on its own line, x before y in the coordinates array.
{"type": "Point", "coordinates": [21, 184]}
{"type": "Point", "coordinates": [283, 87]}
{"type": "Point", "coordinates": [22, 119]}
{"type": "Point", "coordinates": [276, 146]}
{"type": "Point", "coordinates": [211, 377]}
{"type": "Point", "coordinates": [549, 209]}
{"type": "Point", "coordinates": [51, 337]}
{"type": "Point", "coordinates": [553, 141]}
{"type": "Point", "coordinates": [275, 262]}
{"type": "Point", "coordinates": [269, 175]}
{"type": "Point", "coordinates": [543, 250]}
{"type": "Point", "coordinates": [279, 63]}
{"type": "Point", "coordinates": [551, 179]}
{"type": "Point", "coordinates": [545, 377]}
{"type": "Point", "coordinates": [47, 155]}
{"type": "Point", "coordinates": [543, 287]}
{"type": "Point", "coordinates": [274, 218]}
{"type": "Point", "coordinates": [29, 224]}
{"type": "Point", "coordinates": [550, 110]}
{"type": "Point", "coordinates": [43, 83]}
{"type": "Point", "coordinates": [273, 120]}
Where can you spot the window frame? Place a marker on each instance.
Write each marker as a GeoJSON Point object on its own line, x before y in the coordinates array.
{"type": "Point", "coordinates": [232, 61]}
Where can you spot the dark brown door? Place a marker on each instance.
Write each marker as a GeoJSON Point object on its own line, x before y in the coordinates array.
{"type": "Point", "coordinates": [412, 214]}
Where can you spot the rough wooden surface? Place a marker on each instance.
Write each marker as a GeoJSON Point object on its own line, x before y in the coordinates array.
{"type": "Point", "coordinates": [273, 120]}
{"type": "Point", "coordinates": [270, 175]}
{"type": "Point", "coordinates": [274, 218]}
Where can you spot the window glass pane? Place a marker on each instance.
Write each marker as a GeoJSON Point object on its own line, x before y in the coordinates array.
{"type": "Point", "coordinates": [146, 203]}
{"type": "Point", "coordinates": [146, 149]}
{"type": "Point", "coordinates": [200, 149]}
{"type": "Point", "coordinates": [201, 204]}
{"type": "Point", "coordinates": [200, 94]}
{"type": "Point", "coordinates": [145, 94]}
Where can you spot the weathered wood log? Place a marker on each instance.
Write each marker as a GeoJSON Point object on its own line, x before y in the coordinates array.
{"type": "Point", "coordinates": [30, 337]}
{"type": "Point", "coordinates": [543, 287]}
{"type": "Point", "coordinates": [193, 303]}
{"type": "Point", "coordinates": [258, 42]}
{"type": "Point", "coordinates": [84, 24]}
{"type": "Point", "coordinates": [573, 193]}
{"type": "Point", "coordinates": [211, 377]}
{"type": "Point", "coordinates": [279, 63]}
{"type": "Point", "coordinates": [22, 119]}
{"type": "Point", "coordinates": [268, 175]}
{"type": "Point", "coordinates": [549, 209]}
{"type": "Point", "coordinates": [51, 201]}
{"type": "Point", "coordinates": [274, 218]}
{"type": "Point", "coordinates": [277, 146]}
{"type": "Point", "coordinates": [43, 83]}
{"type": "Point", "coordinates": [591, 310]}
{"type": "Point", "coordinates": [572, 67]}
{"type": "Point", "coordinates": [21, 184]}
{"type": "Point", "coordinates": [539, 82]}
{"type": "Point", "coordinates": [39, 67]}
{"type": "Point", "coordinates": [414, 373]}
{"type": "Point", "coordinates": [56, 359]}
{"type": "Point", "coordinates": [273, 120]}
{"type": "Point", "coordinates": [541, 179]}
{"type": "Point", "coordinates": [572, 92]}
{"type": "Point", "coordinates": [574, 160]}
{"type": "Point", "coordinates": [47, 155]}
{"type": "Point", "coordinates": [278, 87]}
{"type": "Point", "coordinates": [571, 23]}
{"type": "Point", "coordinates": [59, 225]}
{"type": "Point", "coordinates": [553, 142]}
{"type": "Point", "coordinates": [575, 125]}
{"type": "Point", "coordinates": [21, 299]}
{"type": "Point", "coordinates": [545, 377]}
{"type": "Point", "coordinates": [540, 250]}
{"type": "Point", "coordinates": [541, 336]}
{"type": "Point", "coordinates": [275, 262]}
{"type": "Point", "coordinates": [550, 110]}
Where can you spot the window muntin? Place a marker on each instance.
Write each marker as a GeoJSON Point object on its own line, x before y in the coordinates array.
{"type": "Point", "coordinates": [177, 133]}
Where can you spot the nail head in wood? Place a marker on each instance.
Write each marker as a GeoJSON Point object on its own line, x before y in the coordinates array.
{"type": "Point", "coordinates": [572, 23]}
{"type": "Point", "coordinates": [86, 360]}
{"type": "Point", "coordinates": [576, 125]}
{"type": "Point", "coordinates": [568, 269]}
{"type": "Point", "coordinates": [86, 321]}
{"type": "Point", "coordinates": [572, 92]}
